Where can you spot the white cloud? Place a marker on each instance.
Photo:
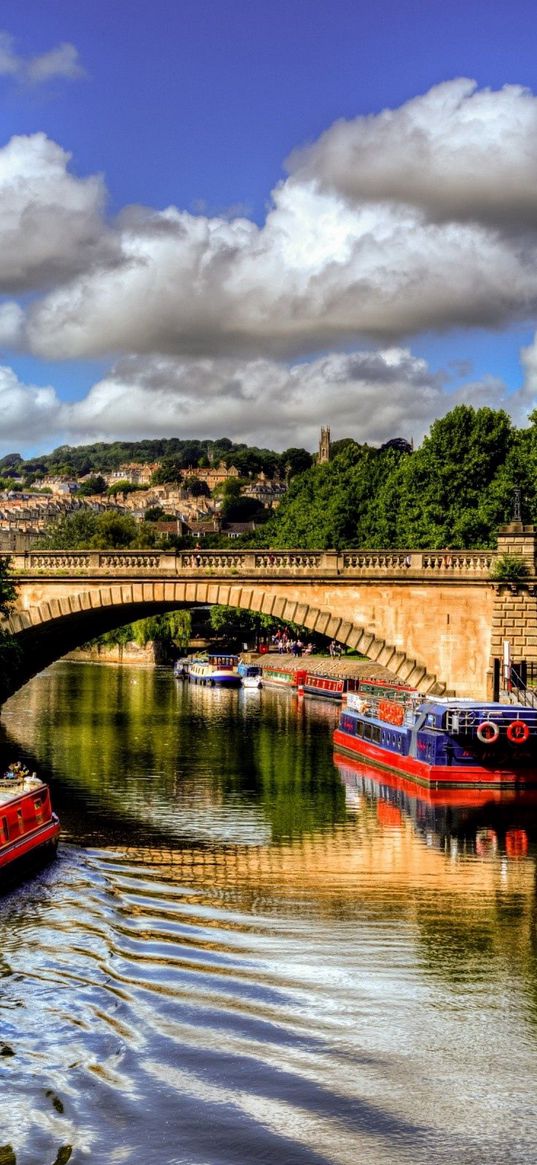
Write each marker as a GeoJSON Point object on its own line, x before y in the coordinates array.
{"type": "Point", "coordinates": [9, 61]}
{"type": "Point", "coordinates": [11, 324]}
{"type": "Point", "coordinates": [51, 223]}
{"type": "Point", "coordinates": [27, 413]}
{"type": "Point", "coordinates": [371, 396]}
{"type": "Point", "coordinates": [456, 153]}
{"type": "Point", "coordinates": [61, 61]}
{"type": "Point", "coordinates": [318, 274]}
{"type": "Point", "coordinates": [388, 226]}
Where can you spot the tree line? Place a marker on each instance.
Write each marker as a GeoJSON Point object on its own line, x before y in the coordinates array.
{"type": "Point", "coordinates": [454, 491]}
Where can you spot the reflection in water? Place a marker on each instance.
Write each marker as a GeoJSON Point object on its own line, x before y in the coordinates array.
{"type": "Point", "coordinates": [245, 953]}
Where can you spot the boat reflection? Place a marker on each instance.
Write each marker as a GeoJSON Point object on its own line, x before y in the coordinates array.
{"type": "Point", "coordinates": [489, 823]}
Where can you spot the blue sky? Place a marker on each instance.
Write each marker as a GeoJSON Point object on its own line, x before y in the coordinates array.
{"type": "Point", "coordinates": [197, 105]}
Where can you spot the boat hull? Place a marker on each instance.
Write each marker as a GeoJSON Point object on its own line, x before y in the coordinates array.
{"type": "Point", "coordinates": [40, 843]}
{"type": "Point", "coordinates": [216, 679]}
{"type": "Point", "coordinates": [325, 691]}
{"type": "Point", "coordinates": [427, 775]}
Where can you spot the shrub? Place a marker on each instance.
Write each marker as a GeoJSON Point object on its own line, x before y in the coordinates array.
{"type": "Point", "coordinates": [510, 568]}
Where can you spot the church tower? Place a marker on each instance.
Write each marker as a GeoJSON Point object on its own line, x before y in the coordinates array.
{"type": "Point", "coordinates": [324, 447]}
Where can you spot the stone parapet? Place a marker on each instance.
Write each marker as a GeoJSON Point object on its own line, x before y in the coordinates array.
{"type": "Point", "coordinates": [398, 564]}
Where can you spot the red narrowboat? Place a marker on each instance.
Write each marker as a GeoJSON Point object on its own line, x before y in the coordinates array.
{"type": "Point", "coordinates": [28, 827]}
{"type": "Point", "coordinates": [331, 687]}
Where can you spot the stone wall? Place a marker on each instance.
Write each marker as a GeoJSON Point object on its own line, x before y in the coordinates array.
{"type": "Point", "coordinates": [130, 654]}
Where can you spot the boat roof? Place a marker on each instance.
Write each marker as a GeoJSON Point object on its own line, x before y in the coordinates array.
{"type": "Point", "coordinates": [11, 788]}
{"type": "Point", "coordinates": [443, 704]}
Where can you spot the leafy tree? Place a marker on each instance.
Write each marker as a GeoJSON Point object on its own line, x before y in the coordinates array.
{"type": "Point", "coordinates": [122, 487]}
{"type": "Point", "coordinates": [198, 489]}
{"type": "Point", "coordinates": [169, 472]}
{"type": "Point", "coordinates": [70, 532]}
{"type": "Point", "coordinates": [440, 495]}
{"type": "Point", "coordinates": [94, 485]}
{"type": "Point", "coordinates": [154, 514]}
{"type": "Point", "coordinates": [170, 629]}
{"type": "Point", "coordinates": [295, 461]}
{"type": "Point", "coordinates": [114, 531]}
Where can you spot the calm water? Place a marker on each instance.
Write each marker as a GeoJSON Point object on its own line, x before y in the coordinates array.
{"type": "Point", "coordinates": [246, 954]}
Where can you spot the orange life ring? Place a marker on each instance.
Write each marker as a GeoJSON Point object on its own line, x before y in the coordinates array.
{"type": "Point", "coordinates": [487, 732]}
{"type": "Point", "coordinates": [518, 732]}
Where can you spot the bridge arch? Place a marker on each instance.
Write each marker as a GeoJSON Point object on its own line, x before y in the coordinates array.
{"type": "Point", "coordinates": [49, 627]}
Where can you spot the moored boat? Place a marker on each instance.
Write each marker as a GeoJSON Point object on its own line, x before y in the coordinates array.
{"type": "Point", "coordinates": [251, 675]}
{"type": "Point", "coordinates": [220, 670]}
{"type": "Point", "coordinates": [444, 742]}
{"type": "Point", "coordinates": [283, 677]}
{"type": "Point", "coordinates": [180, 669]}
{"type": "Point", "coordinates": [330, 687]}
{"type": "Point", "coordinates": [28, 827]}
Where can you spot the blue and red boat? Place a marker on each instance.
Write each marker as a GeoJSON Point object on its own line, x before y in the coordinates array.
{"type": "Point", "coordinates": [439, 742]}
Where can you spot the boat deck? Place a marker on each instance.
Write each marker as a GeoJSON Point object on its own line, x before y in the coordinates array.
{"type": "Point", "coordinates": [11, 787]}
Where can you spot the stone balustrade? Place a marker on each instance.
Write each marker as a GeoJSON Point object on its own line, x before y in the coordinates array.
{"type": "Point", "coordinates": [261, 563]}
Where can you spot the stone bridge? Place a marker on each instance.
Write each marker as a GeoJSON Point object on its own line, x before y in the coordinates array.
{"type": "Point", "coordinates": [434, 618]}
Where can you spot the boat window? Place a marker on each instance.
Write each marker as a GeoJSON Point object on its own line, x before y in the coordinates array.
{"type": "Point", "coordinates": [5, 828]}
{"type": "Point", "coordinates": [20, 820]}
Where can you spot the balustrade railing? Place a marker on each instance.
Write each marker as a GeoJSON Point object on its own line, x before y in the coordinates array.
{"type": "Point", "coordinates": [261, 563]}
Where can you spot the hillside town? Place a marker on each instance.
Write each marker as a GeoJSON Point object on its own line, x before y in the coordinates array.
{"type": "Point", "coordinates": [193, 505]}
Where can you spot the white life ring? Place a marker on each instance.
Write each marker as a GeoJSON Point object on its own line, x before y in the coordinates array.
{"type": "Point", "coordinates": [487, 732]}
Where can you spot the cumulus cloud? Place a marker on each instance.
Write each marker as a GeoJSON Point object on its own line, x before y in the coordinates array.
{"type": "Point", "coordinates": [27, 413]}
{"type": "Point", "coordinates": [317, 274]}
{"type": "Point", "coordinates": [371, 395]}
{"type": "Point", "coordinates": [457, 153]}
{"type": "Point", "coordinates": [412, 220]}
{"type": "Point", "coordinates": [61, 61]}
{"type": "Point", "coordinates": [422, 218]}
{"type": "Point", "coordinates": [51, 225]}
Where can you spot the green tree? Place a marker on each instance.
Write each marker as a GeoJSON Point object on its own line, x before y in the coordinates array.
{"type": "Point", "coordinates": [294, 461]}
{"type": "Point", "coordinates": [122, 487]}
{"type": "Point", "coordinates": [169, 472]}
{"type": "Point", "coordinates": [94, 485]}
{"type": "Point", "coordinates": [442, 495]}
{"type": "Point", "coordinates": [154, 514]}
{"type": "Point", "coordinates": [198, 489]}
{"type": "Point", "coordinates": [114, 531]}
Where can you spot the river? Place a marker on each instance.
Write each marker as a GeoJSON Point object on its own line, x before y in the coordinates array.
{"type": "Point", "coordinates": [247, 954]}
